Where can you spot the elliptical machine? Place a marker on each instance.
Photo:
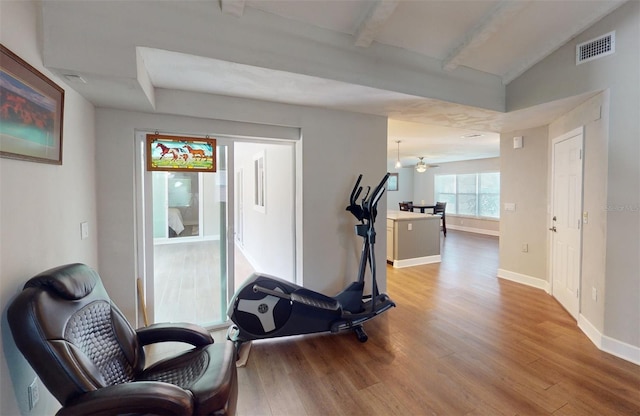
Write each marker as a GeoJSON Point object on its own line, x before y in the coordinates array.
{"type": "Point", "coordinates": [269, 307]}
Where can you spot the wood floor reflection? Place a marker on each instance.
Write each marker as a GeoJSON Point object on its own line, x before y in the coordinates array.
{"type": "Point", "coordinates": [460, 342]}
{"type": "Point", "coordinates": [187, 281]}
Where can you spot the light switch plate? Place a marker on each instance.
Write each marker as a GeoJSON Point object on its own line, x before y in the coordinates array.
{"type": "Point", "coordinates": [84, 230]}
{"type": "Point", "coordinates": [517, 142]}
{"type": "Point", "coordinates": [509, 206]}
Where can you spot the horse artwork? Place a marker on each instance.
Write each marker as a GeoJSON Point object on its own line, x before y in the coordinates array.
{"type": "Point", "coordinates": [163, 149]}
{"type": "Point", "coordinates": [195, 152]}
{"type": "Point", "coordinates": [176, 153]}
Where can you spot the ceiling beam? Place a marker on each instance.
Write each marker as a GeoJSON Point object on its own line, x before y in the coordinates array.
{"type": "Point", "coordinates": [487, 27]}
{"type": "Point", "coordinates": [233, 7]}
{"type": "Point", "coordinates": [377, 15]}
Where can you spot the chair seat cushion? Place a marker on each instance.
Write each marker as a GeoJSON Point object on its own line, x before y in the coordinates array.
{"type": "Point", "coordinates": [209, 373]}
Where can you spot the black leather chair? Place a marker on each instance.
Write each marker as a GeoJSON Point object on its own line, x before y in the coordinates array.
{"type": "Point", "coordinates": [93, 362]}
{"type": "Point", "coordinates": [406, 206]}
{"type": "Point", "coordinates": [439, 209]}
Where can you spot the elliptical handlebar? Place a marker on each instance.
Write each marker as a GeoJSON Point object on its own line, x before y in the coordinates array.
{"type": "Point", "coordinates": [376, 195]}
{"type": "Point", "coordinates": [353, 207]}
{"type": "Point", "coordinates": [355, 193]}
{"type": "Point", "coordinates": [367, 208]}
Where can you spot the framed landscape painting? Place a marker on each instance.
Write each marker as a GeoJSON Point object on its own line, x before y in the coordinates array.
{"type": "Point", "coordinates": [176, 153]}
{"type": "Point", "coordinates": [31, 112]}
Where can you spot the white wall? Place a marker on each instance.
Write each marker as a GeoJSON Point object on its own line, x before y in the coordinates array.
{"type": "Point", "coordinates": [556, 77]}
{"type": "Point", "coordinates": [523, 181]}
{"type": "Point", "coordinates": [41, 208]}
{"type": "Point", "coordinates": [594, 116]}
{"type": "Point", "coordinates": [405, 187]}
{"type": "Point", "coordinates": [328, 248]}
{"type": "Point", "coordinates": [268, 239]}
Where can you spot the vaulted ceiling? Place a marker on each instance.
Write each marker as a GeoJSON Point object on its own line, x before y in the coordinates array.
{"type": "Point", "coordinates": [428, 65]}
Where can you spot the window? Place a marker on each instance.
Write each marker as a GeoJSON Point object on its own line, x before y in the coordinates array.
{"type": "Point", "coordinates": [470, 194]}
{"type": "Point", "coordinates": [259, 183]}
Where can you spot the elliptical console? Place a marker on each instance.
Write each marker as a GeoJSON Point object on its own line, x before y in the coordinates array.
{"type": "Point", "coordinates": [269, 307]}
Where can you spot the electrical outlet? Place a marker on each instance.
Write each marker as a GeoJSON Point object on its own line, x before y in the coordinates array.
{"type": "Point", "coordinates": [594, 294]}
{"type": "Point", "coordinates": [33, 393]}
{"type": "Point", "coordinates": [410, 227]}
{"type": "Point", "coordinates": [525, 247]}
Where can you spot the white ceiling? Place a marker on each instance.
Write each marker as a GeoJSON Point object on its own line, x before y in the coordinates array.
{"type": "Point", "coordinates": [501, 38]}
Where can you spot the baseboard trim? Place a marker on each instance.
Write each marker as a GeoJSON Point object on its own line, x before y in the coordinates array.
{"type": "Point", "coordinates": [473, 230]}
{"type": "Point", "coordinates": [398, 264]}
{"type": "Point", "coordinates": [524, 279]}
{"type": "Point", "coordinates": [604, 343]}
{"type": "Point", "coordinates": [607, 344]}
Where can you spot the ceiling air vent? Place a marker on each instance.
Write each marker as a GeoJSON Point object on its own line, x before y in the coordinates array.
{"type": "Point", "coordinates": [596, 48]}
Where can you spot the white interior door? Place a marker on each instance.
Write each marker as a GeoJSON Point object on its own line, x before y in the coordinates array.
{"type": "Point", "coordinates": [566, 222]}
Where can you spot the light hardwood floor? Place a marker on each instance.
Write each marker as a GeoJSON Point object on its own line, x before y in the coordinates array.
{"type": "Point", "coordinates": [460, 342]}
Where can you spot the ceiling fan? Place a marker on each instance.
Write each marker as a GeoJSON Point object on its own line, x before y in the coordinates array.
{"type": "Point", "coordinates": [422, 167]}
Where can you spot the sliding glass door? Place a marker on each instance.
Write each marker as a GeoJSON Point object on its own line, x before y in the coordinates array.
{"type": "Point", "coordinates": [190, 267]}
{"type": "Point", "coordinates": [203, 234]}
{"type": "Point", "coordinates": [185, 254]}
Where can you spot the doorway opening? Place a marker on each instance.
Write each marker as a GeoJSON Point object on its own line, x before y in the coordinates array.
{"type": "Point", "coordinates": [197, 246]}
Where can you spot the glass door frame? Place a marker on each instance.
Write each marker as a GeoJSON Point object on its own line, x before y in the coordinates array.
{"type": "Point", "coordinates": [144, 227]}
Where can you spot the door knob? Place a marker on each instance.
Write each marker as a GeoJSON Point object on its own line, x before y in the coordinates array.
{"type": "Point", "coordinates": [553, 229]}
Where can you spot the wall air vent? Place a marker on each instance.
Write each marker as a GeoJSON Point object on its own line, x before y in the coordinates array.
{"type": "Point", "coordinates": [596, 48]}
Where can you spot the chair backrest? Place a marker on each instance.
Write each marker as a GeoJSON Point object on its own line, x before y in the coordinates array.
{"type": "Point", "coordinates": [440, 208]}
{"type": "Point", "coordinates": [406, 205]}
{"type": "Point", "coordinates": [71, 333]}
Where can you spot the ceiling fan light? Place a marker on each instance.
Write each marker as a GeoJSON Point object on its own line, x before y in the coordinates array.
{"type": "Point", "coordinates": [421, 167]}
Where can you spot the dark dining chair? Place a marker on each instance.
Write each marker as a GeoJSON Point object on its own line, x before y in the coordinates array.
{"type": "Point", "coordinates": [406, 206]}
{"type": "Point", "coordinates": [439, 209]}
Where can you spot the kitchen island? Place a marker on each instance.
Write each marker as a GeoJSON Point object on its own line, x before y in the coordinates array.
{"type": "Point", "coordinates": [412, 238]}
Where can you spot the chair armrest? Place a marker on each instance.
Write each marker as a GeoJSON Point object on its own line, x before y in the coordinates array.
{"type": "Point", "coordinates": [180, 332]}
{"type": "Point", "coordinates": [143, 397]}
